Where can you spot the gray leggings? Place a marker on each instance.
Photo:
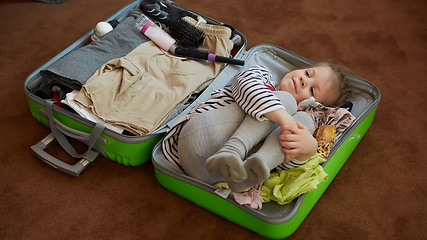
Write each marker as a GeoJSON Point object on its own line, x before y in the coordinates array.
{"type": "Point", "coordinates": [206, 133]}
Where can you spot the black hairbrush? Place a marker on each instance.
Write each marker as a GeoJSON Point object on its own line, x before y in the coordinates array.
{"type": "Point", "coordinates": [186, 34]}
{"type": "Point", "coordinates": [155, 9]}
{"type": "Point", "coordinates": [198, 54]}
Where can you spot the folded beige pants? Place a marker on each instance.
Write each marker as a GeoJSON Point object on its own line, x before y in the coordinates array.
{"type": "Point", "coordinates": [138, 91]}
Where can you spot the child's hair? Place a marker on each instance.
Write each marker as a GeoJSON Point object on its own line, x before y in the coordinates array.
{"type": "Point", "coordinates": [342, 81]}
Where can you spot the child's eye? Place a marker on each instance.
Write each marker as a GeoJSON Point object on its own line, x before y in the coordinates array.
{"type": "Point", "coordinates": [307, 73]}
{"type": "Point", "coordinates": [312, 91]}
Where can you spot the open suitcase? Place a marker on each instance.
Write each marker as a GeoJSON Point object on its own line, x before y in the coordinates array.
{"type": "Point", "coordinates": [126, 149]}
{"type": "Point", "coordinates": [273, 220]}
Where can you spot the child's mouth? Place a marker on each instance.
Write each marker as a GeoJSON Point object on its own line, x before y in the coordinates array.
{"type": "Point", "coordinates": [295, 85]}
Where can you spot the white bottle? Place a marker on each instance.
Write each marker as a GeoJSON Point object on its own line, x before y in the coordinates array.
{"type": "Point", "coordinates": [101, 29]}
{"type": "Point", "coordinates": [154, 33]}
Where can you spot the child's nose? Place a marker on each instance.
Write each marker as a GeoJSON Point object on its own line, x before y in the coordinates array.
{"type": "Point", "coordinates": [303, 82]}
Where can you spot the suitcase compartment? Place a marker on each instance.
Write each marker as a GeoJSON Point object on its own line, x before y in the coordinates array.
{"type": "Point", "coordinates": [128, 150]}
{"type": "Point", "coordinates": [273, 220]}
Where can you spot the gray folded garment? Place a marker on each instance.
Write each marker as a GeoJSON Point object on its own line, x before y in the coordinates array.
{"type": "Point", "coordinates": [75, 68]}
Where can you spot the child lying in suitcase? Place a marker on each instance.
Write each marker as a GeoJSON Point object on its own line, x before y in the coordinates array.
{"type": "Point", "coordinates": [217, 135]}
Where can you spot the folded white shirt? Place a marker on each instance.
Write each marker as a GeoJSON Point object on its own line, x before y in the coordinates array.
{"type": "Point", "coordinates": [69, 100]}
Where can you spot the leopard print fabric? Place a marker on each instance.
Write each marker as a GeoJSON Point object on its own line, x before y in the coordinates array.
{"type": "Point", "coordinates": [325, 136]}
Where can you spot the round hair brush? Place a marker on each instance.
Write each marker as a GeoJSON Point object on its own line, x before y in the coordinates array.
{"type": "Point", "coordinates": [198, 54]}
{"type": "Point", "coordinates": [186, 34]}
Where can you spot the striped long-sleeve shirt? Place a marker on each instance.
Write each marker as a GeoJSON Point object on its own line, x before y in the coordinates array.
{"type": "Point", "coordinates": [251, 89]}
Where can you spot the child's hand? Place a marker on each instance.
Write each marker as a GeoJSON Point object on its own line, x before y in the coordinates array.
{"type": "Point", "coordinates": [283, 119]}
{"type": "Point", "coordinates": [300, 145]}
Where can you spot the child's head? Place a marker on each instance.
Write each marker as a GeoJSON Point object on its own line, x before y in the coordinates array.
{"type": "Point", "coordinates": [324, 81]}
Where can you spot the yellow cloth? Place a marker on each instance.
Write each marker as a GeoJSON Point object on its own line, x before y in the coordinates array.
{"type": "Point", "coordinates": [285, 185]}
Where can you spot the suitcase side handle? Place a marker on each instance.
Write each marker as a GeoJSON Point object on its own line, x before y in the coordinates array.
{"type": "Point", "coordinates": [73, 133]}
{"type": "Point", "coordinates": [73, 170]}
{"type": "Point", "coordinates": [86, 158]}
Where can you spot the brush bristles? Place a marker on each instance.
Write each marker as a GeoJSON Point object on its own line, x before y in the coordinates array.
{"type": "Point", "coordinates": [186, 34]}
{"type": "Point", "coordinates": [191, 53]}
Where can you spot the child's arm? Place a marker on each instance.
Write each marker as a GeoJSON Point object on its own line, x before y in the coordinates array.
{"type": "Point", "coordinates": [251, 91]}
{"type": "Point", "coordinates": [299, 145]}
{"type": "Point", "coordinates": [283, 119]}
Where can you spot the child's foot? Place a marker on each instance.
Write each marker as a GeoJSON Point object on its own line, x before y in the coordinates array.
{"type": "Point", "coordinates": [228, 164]}
{"type": "Point", "coordinates": [257, 170]}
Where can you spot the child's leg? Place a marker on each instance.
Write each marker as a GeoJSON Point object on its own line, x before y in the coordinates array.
{"type": "Point", "coordinates": [205, 134]}
{"type": "Point", "coordinates": [259, 164]}
{"type": "Point", "coordinates": [268, 157]}
{"type": "Point", "coordinates": [230, 156]}
{"type": "Point", "coordinates": [250, 133]}
{"type": "Point", "coordinates": [305, 119]}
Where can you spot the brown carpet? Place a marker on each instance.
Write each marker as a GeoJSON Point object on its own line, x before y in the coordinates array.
{"type": "Point", "coordinates": [378, 194]}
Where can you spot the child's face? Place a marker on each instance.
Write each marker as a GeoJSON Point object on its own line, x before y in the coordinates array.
{"type": "Point", "coordinates": [318, 82]}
